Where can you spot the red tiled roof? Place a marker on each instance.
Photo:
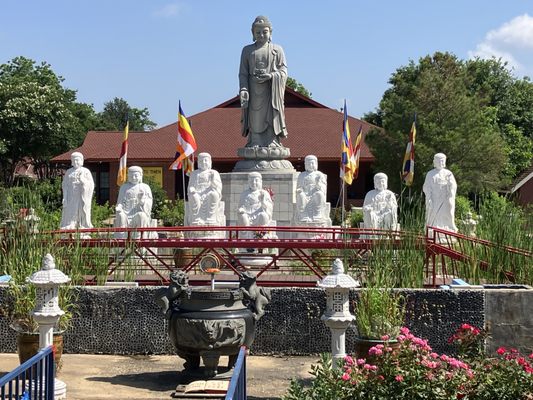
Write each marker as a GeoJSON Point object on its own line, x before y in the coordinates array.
{"type": "Point", "coordinates": [313, 129]}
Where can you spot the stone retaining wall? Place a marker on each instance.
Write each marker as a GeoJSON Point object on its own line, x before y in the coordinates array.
{"type": "Point", "coordinates": [127, 320]}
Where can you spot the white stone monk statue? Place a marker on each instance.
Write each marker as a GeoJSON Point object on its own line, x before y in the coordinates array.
{"type": "Point", "coordinates": [380, 209]}
{"type": "Point", "coordinates": [78, 188]}
{"type": "Point", "coordinates": [134, 203]}
{"type": "Point", "coordinates": [255, 205]}
{"type": "Point", "coordinates": [311, 189]}
{"type": "Point", "coordinates": [205, 193]}
{"type": "Point", "coordinates": [440, 189]}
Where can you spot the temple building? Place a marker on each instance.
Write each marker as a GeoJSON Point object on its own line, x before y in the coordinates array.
{"type": "Point", "coordinates": [313, 129]}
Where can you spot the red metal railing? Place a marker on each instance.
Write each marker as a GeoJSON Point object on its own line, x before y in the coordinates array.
{"type": "Point", "coordinates": [445, 249]}
{"type": "Point", "coordinates": [288, 256]}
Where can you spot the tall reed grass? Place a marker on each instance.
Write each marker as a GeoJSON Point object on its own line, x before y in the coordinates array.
{"type": "Point", "coordinates": [505, 225]}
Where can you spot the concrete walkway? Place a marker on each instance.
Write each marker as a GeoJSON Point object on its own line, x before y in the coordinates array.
{"type": "Point", "coordinates": [156, 377]}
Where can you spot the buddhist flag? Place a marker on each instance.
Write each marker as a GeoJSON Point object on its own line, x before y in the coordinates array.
{"type": "Point", "coordinates": [187, 164]}
{"type": "Point", "coordinates": [347, 156]}
{"type": "Point", "coordinates": [408, 168]}
{"type": "Point", "coordinates": [356, 152]}
{"type": "Point", "coordinates": [122, 175]}
{"type": "Point", "coordinates": [186, 145]}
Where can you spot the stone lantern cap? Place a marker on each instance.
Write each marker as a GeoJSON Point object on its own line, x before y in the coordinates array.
{"type": "Point", "coordinates": [48, 274]}
{"type": "Point", "coordinates": [337, 278]}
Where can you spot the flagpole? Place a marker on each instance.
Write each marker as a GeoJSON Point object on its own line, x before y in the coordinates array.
{"type": "Point", "coordinates": [183, 181]}
{"type": "Point", "coordinates": [183, 168]}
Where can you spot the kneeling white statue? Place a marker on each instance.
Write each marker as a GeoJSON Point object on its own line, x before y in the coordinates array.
{"type": "Point", "coordinates": [311, 187]}
{"type": "Point", "coordinates": [205, 194]}
{"type": "Point", "coordinates": [255, 205]}
{"type": "Point", "coordinates": [380, 206]}
{"type": "Point", "coordinates": [134, 203]}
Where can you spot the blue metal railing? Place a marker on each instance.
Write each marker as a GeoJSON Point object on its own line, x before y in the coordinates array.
{"type": "Point", "coordinates": [237, 384]}
{"type": "Point", "coordinates": [32, 380]}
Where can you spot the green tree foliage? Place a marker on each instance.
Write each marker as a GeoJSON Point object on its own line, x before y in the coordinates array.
{"type": "Point", "coordinates": [40, 118]}
{"type": "Point", "coordinates": [475, 112]}
{"type": "Point", "coordinates": [37, 116]}
{"type": "Point", "coordinates": [513, 100]}
{"type": "Point", "coordinates": [297, 86]}
{"type": "Point", "coordinates": [113, 117]}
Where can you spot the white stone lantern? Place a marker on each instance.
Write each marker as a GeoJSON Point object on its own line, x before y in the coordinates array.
{"type": "Point", "coordinates": [337, 316]}
{"type": "Point", "coordinates": [47, 312]}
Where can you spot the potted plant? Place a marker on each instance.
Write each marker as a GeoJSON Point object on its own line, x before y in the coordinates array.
{"type": "Point", "coordinates": [379, 315]}
{"type": "Point", "coordinates": [18, 304]}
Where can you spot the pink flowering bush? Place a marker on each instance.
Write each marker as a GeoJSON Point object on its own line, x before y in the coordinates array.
{"type": "Point", "coordinates": [470, 341]}
{"type": "Point", "coordinates": [414, 371]}
{"type": "Point", "coordinates": [507, 377]}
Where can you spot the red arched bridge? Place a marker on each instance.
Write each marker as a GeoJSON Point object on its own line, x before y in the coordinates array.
{"type": "Point", "coordinates": [280, 256]}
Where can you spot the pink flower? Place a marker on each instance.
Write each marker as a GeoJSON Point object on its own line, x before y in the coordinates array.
{"type": "Point", "coordinates": [501, 351]}
{"type": "Point", "coordinates": [370, 367]}
{"type": "Point", "coordinates": [434, 355]}
{"type": "Point", "coordinates": [404, 330]}
{"type": "Point", "coordinates": [375, 351]}
{"type": "Point", "coordinates": [420, 342]}
{"type": "Point", "coordinates": [429, 364]}
{"type": "Point", "coordinates": [385, 338]}
{"type": "Point", "coordinates": [348, 360]}
{"type": "Point", "coordinates": [531, 356]}
{"type": "Point", "coordinates": [454, 363]}
{"type": "Point", "coordinates": [360, 361]}
{"type": "Point", "coordinates": [345, 376]}
{"type": "Point", "coordinates": [398, 378]}
{"type": "Point", "coordinates": [466, 327]}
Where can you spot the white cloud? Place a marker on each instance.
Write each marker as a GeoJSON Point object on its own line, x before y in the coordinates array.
{"type": "Point", "coordinates": [516, 33]}
{"type": "Point", "coordinates": [168, 11]}
{"type": "Point", "coordinates": [512, 42]}
{"type": "Point", "coordinates": [486, 50]}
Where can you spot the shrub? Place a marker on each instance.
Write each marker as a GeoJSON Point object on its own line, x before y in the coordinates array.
{"type": "Point", "coordinates": [413, 371]}
{"type": "Point", "coordinates": [99, 214]}
{"type": "Point", "coordinates": [379, 312]}
{"type": "Point", "coordinates": [470, 341]}
{"type": "Point", "coordinates": [462, 208]}
{"type": "Point", "coordinates": [172, 213]}
{"type": "Point", "coordinates": [356, 217]}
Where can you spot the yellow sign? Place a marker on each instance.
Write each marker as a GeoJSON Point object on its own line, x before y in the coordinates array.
{"type": "Point", "coordinates": [155, 174]}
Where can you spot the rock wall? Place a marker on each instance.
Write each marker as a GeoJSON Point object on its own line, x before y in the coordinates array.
{"type": "Point", "coordinates": [128, 321]}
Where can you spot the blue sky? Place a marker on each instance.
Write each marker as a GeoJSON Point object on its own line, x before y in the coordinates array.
{"type": "Point", "coordinates": [153, 53]}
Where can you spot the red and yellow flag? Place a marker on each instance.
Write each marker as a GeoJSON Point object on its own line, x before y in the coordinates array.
{"type": "Point", "coordinates": [122, 175]}
{"type": "Point", "coordinates": [408, 167]}
{"type": "Point", "coordinates": [356, 152]}
{"type": "Point", "coordinates": [186, 145]}
{"type": "Point", "coordinates": [347, 156]}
